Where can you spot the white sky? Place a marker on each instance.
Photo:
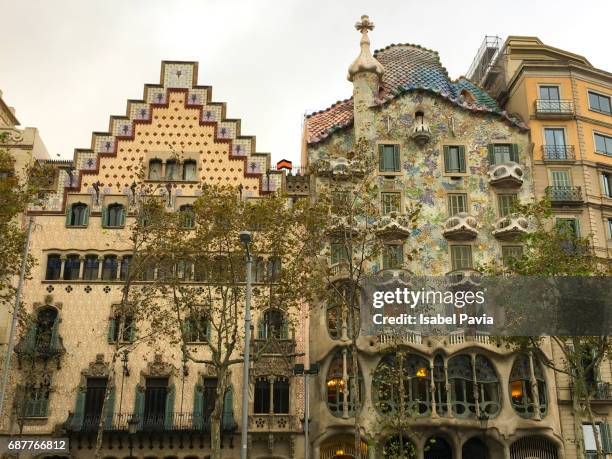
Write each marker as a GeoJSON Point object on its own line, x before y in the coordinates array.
{"type": "Point", "coordinates": [67, 65]}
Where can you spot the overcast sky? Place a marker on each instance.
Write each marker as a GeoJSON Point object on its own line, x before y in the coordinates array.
{"type": "Point", "coordinates": [67, 65]}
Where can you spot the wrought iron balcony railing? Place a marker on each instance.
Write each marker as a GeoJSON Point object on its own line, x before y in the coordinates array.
{"type": "Point", "coordinates": [547, 107]}
{"type": "Point", "coordinates": [168, 422]}
{"type": "Point", "coordinates": [565, 194]}
{"type": "Point", "coordinates": [558, 152]}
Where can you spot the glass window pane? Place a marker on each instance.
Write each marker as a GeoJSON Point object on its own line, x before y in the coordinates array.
{"type": "Point", "coordinates": [457, 202]}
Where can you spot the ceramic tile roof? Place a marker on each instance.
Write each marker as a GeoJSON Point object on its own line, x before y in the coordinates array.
{"type": "Point", "coordinates": [407, 68]}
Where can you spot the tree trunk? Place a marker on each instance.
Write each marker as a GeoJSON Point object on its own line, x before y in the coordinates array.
{"type": "Point", "coordinates": [107, 392]}
{"type": "Point", "coordinates": [215, 417]}
{"type": "Point", "coordinates": [587, 400]}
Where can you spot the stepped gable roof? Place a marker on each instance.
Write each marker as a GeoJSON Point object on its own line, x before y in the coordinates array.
{"type": "Point", "coordinates": [407, 68]}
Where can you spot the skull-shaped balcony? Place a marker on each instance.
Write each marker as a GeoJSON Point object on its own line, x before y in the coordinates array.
{"type": "Point", "coordinates": [393, 226]}
{"type": "Point", "coordinates": [464, 276]}
{"type": "Point", "coordinates": [510, 227]}
{"type": "Point", "coordinates": [339, 271]}
{"type": "Point", "coordinates": [339, 168]}
{"type": "Point", "coordinates": [460, 227]}
{"type": "Point", "coordinates": [506, 175]}
{"type": "Point", "coordinates": [421, 133]}
{"type": "Point", "coordinates": [342, 227]}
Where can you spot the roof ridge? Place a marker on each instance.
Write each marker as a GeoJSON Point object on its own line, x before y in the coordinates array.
{"type": "Point", "coordinates": [335, 104]}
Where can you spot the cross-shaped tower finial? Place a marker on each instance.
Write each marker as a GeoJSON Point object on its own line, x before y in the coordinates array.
{"type": "Point", "coordinates": [365, 24]}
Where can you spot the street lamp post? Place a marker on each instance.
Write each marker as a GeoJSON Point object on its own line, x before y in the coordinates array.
{"type": "Point", "coordinates": [246, 238]}
{"type": "Point", "coordinates": [132, 428]}
{"type": "Point", "coordinates": [299, 369]}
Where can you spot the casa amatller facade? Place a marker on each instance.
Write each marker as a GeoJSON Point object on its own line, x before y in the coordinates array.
{"type": "Point", "coordinates": [464, 154]}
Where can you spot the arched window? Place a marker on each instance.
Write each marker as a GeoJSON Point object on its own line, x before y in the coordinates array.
{"type": "Point", "coordinates": [54, 267]}
{"type": "Point", "coordinates": [488, 387]}
{"type": "Point", "coordinates": [90, 271]}
{"type": "Point", "coordinates": [172, 170]}
{"type": "Point", "coordinates": [438, 448]}
{"type": "Point", "coordinates": [521, 394]}
{"type": "Point", "coordinates": [258, 270]}
{"type": "Point", "coordinates": [113, 216]}
{"type": "Point", "coordinates": [475, 448]}
{"type": "Point", "coordinates": [397, 373]}
{"type": "Point", "coordinates": [187, 216]}
{"type": "Point", "coordinates": [399, 446]}
{"type": "Point", "coordinates": [274, 269]}
{"type": "Point", "coordinates": [439, 376]}
{"type": "Point", "coordinates": [273, 324]}
{"type": "Point", "coordinates": [460, 378]}
{"type": "Point", "coordinates": [155, 169]}
{"type": "Point", "coordinates": [189, 170]}
{"type": "Point", "coordinates": [109, 268]}
{"type": "Point", "coordinates": [533, 447]}
{"type": "Point", "coordinates": [125, 266]}
{"type": "Point", "coordinates": [78, 215]}
{"type": "Point", "coordinates": [334, 320]}
{"type": "Point", "coordinates": [46, 329]}
{"type": "Point", "coordinates": [72, 267]}
{"type": "Point", "coordinates": [339, 390]}
{"type": "Point", "coordinates": [196, 329]}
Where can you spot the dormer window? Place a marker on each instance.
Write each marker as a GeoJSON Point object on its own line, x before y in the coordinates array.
{"type": "Point", "coordinates": [155, 169]}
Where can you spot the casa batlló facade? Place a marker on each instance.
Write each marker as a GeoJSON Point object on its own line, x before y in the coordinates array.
{"type": "Point", "coordinates": [443, 144]}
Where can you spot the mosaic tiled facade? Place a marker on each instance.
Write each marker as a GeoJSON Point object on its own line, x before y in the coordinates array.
{"type": "Point", "coordinates": [411, 107]}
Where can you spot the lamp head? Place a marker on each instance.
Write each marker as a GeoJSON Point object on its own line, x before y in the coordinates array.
{"type": "Point", "coordinates": [246, 237]}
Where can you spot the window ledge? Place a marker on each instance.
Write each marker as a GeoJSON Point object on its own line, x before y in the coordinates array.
{"type": "Point", "coordinates": [599, 111]}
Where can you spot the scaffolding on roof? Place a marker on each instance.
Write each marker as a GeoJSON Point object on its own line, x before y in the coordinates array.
{"type": "Point", "coordinates": [486, 60]}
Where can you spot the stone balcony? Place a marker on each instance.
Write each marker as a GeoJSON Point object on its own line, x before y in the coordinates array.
{"type": "Point", "coordinates": [341, 227]}
{"type": "Point", "coordinates": [506, 175]}
{"type": "Point", "coordinates": [268, 423]}
{"type": "Point", "coordinates": [339, 271]}
{"type": "Point", "coordinates": [393, 226]}
{"type": "Point", "coordinates": [338, 168]}
{"type": "Point", "coordinates": [510, 227]}
{"type": "Point", "coordinates": [460, 227]}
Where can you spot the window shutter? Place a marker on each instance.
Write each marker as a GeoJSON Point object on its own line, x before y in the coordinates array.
{"type": "Point", "coordinates": [122, 216]}
{"type": "Point", "coordinates": [446, 158]}
{"type": "Point", "coordinates": [79, 409]}
{"type": "Point", "coordinates": [30, 337]}
{"type": "Point", "coordinates": [109, 410]}
{"type": "Point", "coordinates": [396, 158]}
{"type": "Point", "coordinates": [139, 404]}
{"type": "Point", "coordinates": [285, 329]}
{"type": "Point", "coordinates": [228, 410]}
{"type": "Point", "coordinates": [261, 329]}
{"type": "Point", "coordinates": [169, 417]}
{"type": "Point", "coordinates": [514, 153]}
{"type": "Point", "coordinates": [198, 401]}
{"type": "Point", "coordinates": [68, 215]}
{"type": "Point", "coordinates": [186, 330]}
{"type": "Point", "coordinates": [381, 158]}
{"type": "Point", "coordinates": [132, 330]}
{"type": "Point", "coordinates": [104, 217]}
{"type": "Point", "coordinates": [606, 437]}
{"type": "Point", "coordinates": [86, 216]}
{"type": "Point", "coordinates": [462, 159]}
{"type": "Point", "coordinates": [112, 324]}
{"type": "Point", "coordinates": [491, 148]}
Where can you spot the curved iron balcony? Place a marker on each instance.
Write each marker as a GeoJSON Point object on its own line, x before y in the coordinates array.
{"type": "Point", "coordinates": [393, 225]}
{"type": "Point", "coordinates": [558, 153]}
{"type": "Point", "coordinates": [565, 194]}
{"type": "Point", "coordinates": [561, 108]}
{"type": "Point", "coordinates": [510, 227]}
{"type": "Point", "coordinates": [506, 175]}
{"type": "Point", "coordinates": [460, 227]}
